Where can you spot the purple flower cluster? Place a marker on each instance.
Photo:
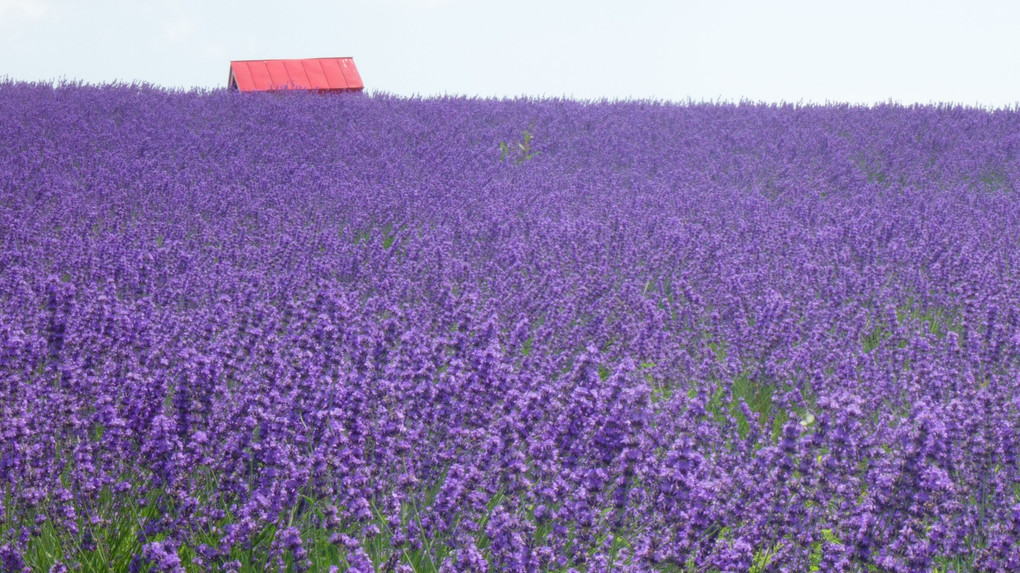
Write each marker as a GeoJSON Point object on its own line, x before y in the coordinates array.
{"type": "Point", "coordinates": [377, 333]}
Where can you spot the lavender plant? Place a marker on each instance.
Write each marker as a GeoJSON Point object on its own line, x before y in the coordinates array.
{"type": "Point", "coordinates": [248, 332]}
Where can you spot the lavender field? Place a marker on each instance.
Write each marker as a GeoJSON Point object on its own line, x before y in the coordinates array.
{"type": "Point", "coordinates": [251, 332]}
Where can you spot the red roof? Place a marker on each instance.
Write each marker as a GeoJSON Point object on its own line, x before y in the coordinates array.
{"type": "Point", "coordinates": [320, 74]}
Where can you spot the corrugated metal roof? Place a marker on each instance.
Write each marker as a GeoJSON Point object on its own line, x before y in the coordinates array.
{"type": "Point", "coordinates": [319, 74]}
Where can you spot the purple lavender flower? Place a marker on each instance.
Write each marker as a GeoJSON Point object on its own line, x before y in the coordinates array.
{"type": "Point", "coordinates": [710, 332]}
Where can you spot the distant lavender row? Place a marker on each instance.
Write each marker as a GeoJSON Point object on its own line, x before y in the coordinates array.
{"type": "Point", "coordinates": [506, 335]}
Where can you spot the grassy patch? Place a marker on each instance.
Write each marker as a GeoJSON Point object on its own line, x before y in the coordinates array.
{"type": "Point", "coordinates": [520, 151]}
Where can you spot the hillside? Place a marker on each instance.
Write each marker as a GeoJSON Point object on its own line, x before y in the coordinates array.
{"type": "Point", "coordinates": [250, 331]}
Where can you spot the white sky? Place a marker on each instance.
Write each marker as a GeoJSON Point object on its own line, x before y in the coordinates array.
{"type": "Point", "coordinates": [861, 51]}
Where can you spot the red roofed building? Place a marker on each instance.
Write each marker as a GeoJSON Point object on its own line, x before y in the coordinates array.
{"type": "Point", "coordinates": [317, 74]}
